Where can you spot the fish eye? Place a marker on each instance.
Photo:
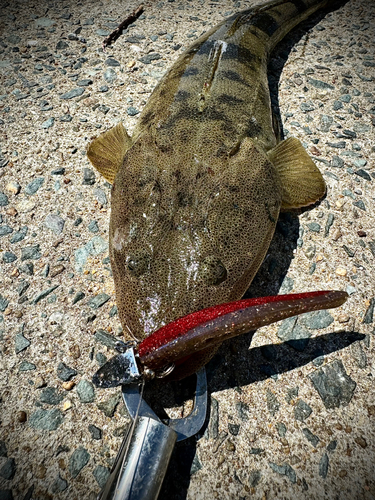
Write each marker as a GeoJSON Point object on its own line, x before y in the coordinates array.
{"type": "Point", "coordinates": [137, 264]}
{"type": "Point", "coordinates": [213, 271]}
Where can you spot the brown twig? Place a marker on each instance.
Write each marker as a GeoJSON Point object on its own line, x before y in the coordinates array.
{"type": "Point", "coordinates": [112, 37]}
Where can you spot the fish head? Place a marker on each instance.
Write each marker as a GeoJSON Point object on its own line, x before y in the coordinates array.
{"type": "Point", "coordinates": [186, 232]}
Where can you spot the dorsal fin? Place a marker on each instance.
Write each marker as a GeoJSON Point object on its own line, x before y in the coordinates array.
{"type": "Point", "coordinates": [302, 182]}
{"type": "Point", "coordinates": [107, 151]}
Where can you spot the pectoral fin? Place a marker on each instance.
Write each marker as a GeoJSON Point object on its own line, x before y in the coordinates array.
{"type": "Point", "coordinates": [302, 182]}
{"type": "Point", "coordinates": [107, 151]}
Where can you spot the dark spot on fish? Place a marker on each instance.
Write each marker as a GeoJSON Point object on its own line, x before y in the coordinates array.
{"type": "Point", "coordinates": [181, 95]}
{"type": "Point", "coordinates": [164, 148]}
{"type": "Point", "coordinates": [234, 77]}
{"type": "Point", "coordinates": [222, 151]}
{"type": "Point", "coordinates": [265, 23]}
{"type": "Point", "coordinates": [190, 71]}
{"type": "Point", "coordinates": [241, 54]}
{"type": "Point", "coordinates": [177, 175]}
{"type": "Point", "coordinates": [184, 199]}
{"type": "Point", "coordinates": [147, 117]}
{"type": "Point", "coordinates": [229, 99]}
{"type": "Point", "coordinates": [253, 129]}
{"type": "Point", "coordinates": [230, 129]}
{"type": "Point", "coordinates": [192, 113]}
{"type": "Point", "coordinates": [184, 135]}
{"type": "Point", "coordinates": [210, 113]}
{"type": "Point", "coordinates": [157, 186]}
{"type": "Point", "coordinates": [206, 47]}
{"type": "Point", "coordinates": [177, 72]}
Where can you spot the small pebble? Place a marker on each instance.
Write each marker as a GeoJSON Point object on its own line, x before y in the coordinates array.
{"type": "Point", "coordinates": [34, 186]}
{"type": "Point", "coordinates": [333, 384]}
{"type": "Point", "coordinates": [43, 294]}
{"type": "Point", "coordinates": [26, 366]}
{"type": "Point", "coordinates": [21, 343]}
{"type": "Point", "coordinates": [85, 391]}
{"type": "Point", "coordinates": [13, 187]}
{"type": "Point", "coordinates": [9, 257]}
{"type": "Point", "coordinates": [3, 303]}
{"type": "Point", "coordinates": [3, 449]}
{"type": "Point", "coordinates": [77, 92]}
{"type": "Point", "coordinates": [78, 460]}
{"type": "Point", "coordinates": [48, 123]}
{"type": "Point", "coordinates": [314, 440]}
{"type": "Point", "coordinates": [108, 407]}
{"type": "Point", "coordinates": [111, 62]}
{"type": "Point", "coordinates": [8, 469]}
{"type": "Point", "coordinates": [46, 420]}
{"type": "Point", "coordinates": [302, 410]}
{"type": "Point", "coordinates": [323, 466]}
{"type": "Point", "coordinates": [281, 429]}
{"type": "Point", "coordinates": [67, 405]}
{"type": "Point", "coordinates": [101, 475]}
{"type": "Point", "coordinates": [98, 300]}
{"type": "Point", "coordinates": [51, 396]}
{"type": "Point", "coordinates": [360, 204]}
{"type": "Point", "coordinates": [93, 227]}
{"type": "Point", "coordinates": [314, 227]}
{"type": "Point", "coordinates": [361, 442]}
{"type": "Point", "coordinates": [55, 223]}
{"type": "Point", "coordinates": [21, 416]}
{"type": "Point", "coordinates": [3, 199]}
{"type": "Point", "coordinates": [110, 75]}
{"type": "Point", "coordinates": [4, 230]}
{"type": "Point", "coordinates": [148, 58]}
{"type": "Point", "coordinates": [340, 271]}
{"type": "Point", "coordinates": [100, 196]}
{"type": "Point", "coordinates": [95, 432]}
{"type": "Point", "coordinates": [132, 111]}
{"type": "Point", "coordinates": [307, 106]}
{"type": "Point", "coordinates": [85, 82]}
{"type": "Point", "coordinates": [88, 177]}
{"type": "Point", "coordinates": [332, 446]}
{"type": "Point", "coordinates": [68, 386]}
{"type": "Point", "coordinates": [316, 320]}
{"type": "Point", "coordinates": [19, 235]}
{"type": "Point", "coordinates": [272, 403]}
{"type": "Point", "coordinates": [65, 373]}
{"type": "Point", "coordinates": [284, 470]}
{"type": "Point", "coordinates": [369, 314]}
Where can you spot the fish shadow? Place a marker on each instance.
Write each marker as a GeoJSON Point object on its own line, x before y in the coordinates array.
{"type": "Point", "coordinates": [281, 54]}
{"type": "Point", "coordinates": [235, 366]}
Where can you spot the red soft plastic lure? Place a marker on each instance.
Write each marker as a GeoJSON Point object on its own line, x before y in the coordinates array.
{"type": "Point", "coordinates": [211, 326]}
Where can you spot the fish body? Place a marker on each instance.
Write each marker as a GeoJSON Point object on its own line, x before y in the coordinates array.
{"type": "Point", "coordinates": [198, 188]}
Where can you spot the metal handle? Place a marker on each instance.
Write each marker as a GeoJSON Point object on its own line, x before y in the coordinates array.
{"type": "Point", "coordinates": [142, 470]}
{"type": "Point", "coordinates": [147, 460]}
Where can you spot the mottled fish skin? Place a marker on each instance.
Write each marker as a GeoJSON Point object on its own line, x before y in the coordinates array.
{"type": "Point", "coordinates": [196, 199]}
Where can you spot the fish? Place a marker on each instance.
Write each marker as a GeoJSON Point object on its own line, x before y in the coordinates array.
{"type": "Point", "coordinates": [198, 187]}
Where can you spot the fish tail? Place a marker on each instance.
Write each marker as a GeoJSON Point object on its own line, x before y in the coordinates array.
{"type": "Point", "coordinates": [271, 21]}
